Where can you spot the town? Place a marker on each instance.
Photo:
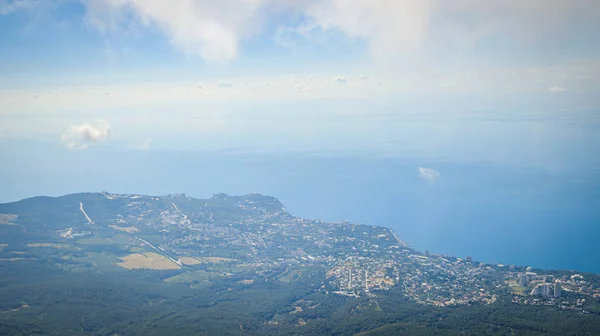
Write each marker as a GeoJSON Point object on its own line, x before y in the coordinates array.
{"type": "Point", "coordinates": [359, 260]}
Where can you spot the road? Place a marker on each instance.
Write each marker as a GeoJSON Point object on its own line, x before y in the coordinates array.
{"type": "Point", "coordinates": [159, 250]}
{"type": "Point", "coordinates": [83, 212]}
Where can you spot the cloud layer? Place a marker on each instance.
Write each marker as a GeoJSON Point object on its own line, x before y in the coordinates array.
{"type": "Point", "coordinates": [556, 89]}
{"type": "Point", "coordinates": [81, 136]}
{"type": "Point", "coordinates": [428, 174]}
{"type": "Point", "coordinates": [10, 6]}
{"type": "Point", "coordinates": [214, 29]}
{"type": "Point", "coordinates": [210, 29]}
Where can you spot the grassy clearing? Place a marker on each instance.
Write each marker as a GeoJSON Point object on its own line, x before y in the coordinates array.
{"type": "Point", "coordinates": [119, 239]}
{"type": "Point", "coordinates": [149, 260]}
{"type": "Point", "coordinates": [195, 276]}
{"type": "Point", "coordinates": [129, 229]}
{"type": "Point", "coordinates": [215, 260]}
{"type": "Point", "coordinates": [202, 285]}
{"type": "Point", "coordinates": [100, 260]}
{"type": "Point", "coordinates": [205, 260]}
{"type": "Point", "coordinates": [228, 268]}
{"type": "Point", "coordinates": [291, 274]}
{"type": "Point", "coordinates": [287, 276]}
{"type": "Point", "coordinates": [190, 261]}
{"type": "Point", "coordinates": [519, 289]}
{"type": "Point", "coordinates": [6, 219]}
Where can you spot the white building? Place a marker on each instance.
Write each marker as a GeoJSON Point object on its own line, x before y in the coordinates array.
{"type": "Point", "coordinates": [531, 276]}
{"type": "Point", "coordinates": [557, 289]}
{"type": "Point", "coordinates": [523, 280]}
{"type": "Point", "coordinates": [541, 290]}
{"type": "Point", "coordinates": [349, 279]}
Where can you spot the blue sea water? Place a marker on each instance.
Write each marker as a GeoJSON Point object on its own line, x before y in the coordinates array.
{"type": "Point", "coordinates": [494, 214]}
{"type": "Point", "coordinates": [522, 190]}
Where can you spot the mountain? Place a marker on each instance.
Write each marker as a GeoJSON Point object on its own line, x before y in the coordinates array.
{"type": "Point", "coordinates": [102, 263]}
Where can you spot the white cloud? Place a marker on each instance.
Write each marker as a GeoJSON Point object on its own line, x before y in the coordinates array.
{"type": "Point", "coordinates": [556, 89]}
{"type": "Point", "coordinates": [389, 26]}
{"type": "Point", "coordinates": [80, 136]}
{"type": "Point", "coordinates": [10, 6]}
{"type": "Point", "coordinates": [133, 96]}
{"type": "Point", "coordinates": [210, 29]}
{"type": "Point", "coordinates": [428, 174]}
{"type": "Point", "coordinates": [214, 29]}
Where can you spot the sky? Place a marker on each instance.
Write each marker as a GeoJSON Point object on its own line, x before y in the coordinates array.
{"type": "Point", "coordinates": [429, 77]}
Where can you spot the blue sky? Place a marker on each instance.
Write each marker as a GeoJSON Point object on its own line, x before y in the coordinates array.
{"type": "Point", "coordinates": [65, 40]}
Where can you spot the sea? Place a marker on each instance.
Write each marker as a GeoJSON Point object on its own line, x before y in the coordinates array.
{"type": "Point", "coordinates": [521, 188]}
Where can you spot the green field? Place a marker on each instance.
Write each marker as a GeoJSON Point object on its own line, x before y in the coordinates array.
{"type": "Point", "coordinates": [195, 276]}
{"type": "Point", "coordinates": [115, 240]}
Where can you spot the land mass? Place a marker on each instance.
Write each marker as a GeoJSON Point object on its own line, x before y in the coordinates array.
{"type": "Point", "coordinates": [102, 263]}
